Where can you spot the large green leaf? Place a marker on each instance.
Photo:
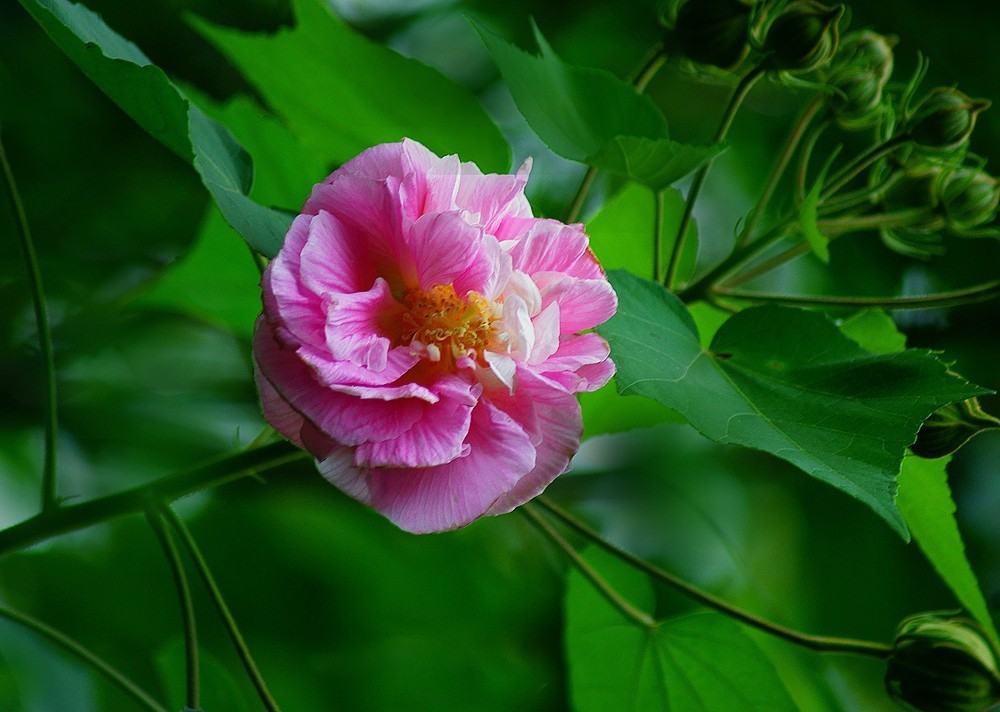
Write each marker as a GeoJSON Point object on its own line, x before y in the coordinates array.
{"type": "Point", "coordinates": [592, 116]}
{"type": "Point", "coordinates": [925, 500]}
{"type": "Point", "coordinates": [342, 93]}
{"type": "Point", "coordinates": [785, 381]}
{"type": "Point", "coordinates": [695, 663]}
{"type": "Point", "coordinates": [147, 95]}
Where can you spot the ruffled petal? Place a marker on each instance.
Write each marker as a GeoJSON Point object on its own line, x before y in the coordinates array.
{"type": "Point", "coordinates": [583, 303]}
{"type": "Point", "coordinates": [334, 259]}
{"type": "Point", "coordinates": [444, 249]}
{"type": "Point", "coordinates": [551, 246]}
{"type": "Point", "coordinates": [356, 325]}
{"type": "Point", "coordinates": [293, 310]}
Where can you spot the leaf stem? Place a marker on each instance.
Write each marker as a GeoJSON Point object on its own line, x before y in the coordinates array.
{"type": "Point", "coordinates": [802, 174]}
{"type": "Point", "coordinates": [861, 163]}
{"type": "Point", "coordinates": [613, 597]}
{"type": "Point", "coordinates": [652, 63]}
{"type": "Point", "coordinates": [49, 498]}
{"type": "Point", "coordinates": [794, 138]}
{"type": "Point", "coordinates": [79, 516]}
{"type": "Point", "coordinates": [220, 604]}
{"type": "Point", "coordinates": [155, 520]}
{"type": "Point", "coordinates": [658, 235]}
{"type": "Point", "coordinates": [940, 300]}
{"type": "Point", "coordinates": [813, 642]}
{"type": "Point", "coordinates": [88, 656]}
{"type": "Point", "coordinates": [735, 101]}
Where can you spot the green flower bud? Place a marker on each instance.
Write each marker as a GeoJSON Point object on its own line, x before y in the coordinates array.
{"type": "Point", "coordinates": [914, 186]}
{"type": "Point", "coordinates": [713, 32]}
{"type": "Point", "coordinates": [944, 664]}
{"type": "Point", "coordinates": [856, 99]}
{"type": "Point", "coordinates": [969, 198]}
{"type": "Point", "coordinates": [950, 427]}
{"type": "Point", "coordinates": [867, 51]}
{"type": "Point", "coordinates": [803, 37]}
{"type": "Point", "coordinates": [944, 120]}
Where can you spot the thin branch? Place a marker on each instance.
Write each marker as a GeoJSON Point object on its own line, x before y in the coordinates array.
{"type": "Point", "coordinates": [812, 642]}
{"type": "Point", "coordinates": [220, 604]}
{"type": "Point", "coordinates": [79, 516]}
{"type": "Point", "coordinates": [613, 597]}
{"type": "Point", "coordinates": [49, 498]}
{"type": "Point", "coordinates": [939, 300]}
{"type": "Point", "coordinates": [187, 607]}
{"type": "Point", "coordinates": [861, 163]}
{"type": "Point", "coordinates": [735, 101]}
{"type": "Point", "coordinates": [581, 194]}
{"type": "Point", "coordinates": [86, 655]}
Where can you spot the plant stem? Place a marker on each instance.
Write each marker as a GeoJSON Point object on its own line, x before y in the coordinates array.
{"type": "Point", "coordinates": [613, 597]}
{"type": "Point", "coordinates": [658, 236]}
{"type": "Point", "coordinates": [49, 500]}
{"type": "Point", "coordinates": [155, 520]}
{"type": "Point", "coordinates": [767, 265]}
{"type": "Point", "coordinates": [739, 94]}
{"type": "Point", "coordinates": [79, 516]}
{"type": "Point", "coordinates": [857, 223]}
{"type": "Point", "coordinates": [640, 79]}
{"type": "Point", "coordinates": [88, 656]}
{"type": "Point", "coordinates": [813, 642]}
{"type": "Point", "coordinates": [861, 163]}
{"type": "Point", "coordinates": [959, 297]}
{"type": "Point", "coordinates": [220, 603]}
{"type": "Point", "coordinates": [802, 175]}
{"type": "Point", "coordinates": [794, 138]}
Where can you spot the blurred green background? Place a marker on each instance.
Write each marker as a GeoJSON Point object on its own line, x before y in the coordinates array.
{"type": "Point", "coordinates": [342, 611]}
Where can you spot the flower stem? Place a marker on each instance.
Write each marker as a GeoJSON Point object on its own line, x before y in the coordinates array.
{"type": "Point", "coordinates": [735, 101]}
{"type": "Point", "coordinates": [88, 656]}
{"type": "Point", "coordinates": [49, 499]}
{"type": "Point", "coordinates": [155, 520]}
{"type": "Point", "coordinates": [940, 300]}
{"type": "Point", "coordinates": [220, 603]}
{"type": "Point", "coordinates": [614, 598]}
{"type": "Point", "coordinates": [79, 516]}
{"type": "Point", "coordinates": [813, 642]}
{"type": "Point", "coordinates": [652, 63]}
{"type": "Point", "coordinates": [792, 143]}
{"type": "Point", "coordinates": [861, 163]}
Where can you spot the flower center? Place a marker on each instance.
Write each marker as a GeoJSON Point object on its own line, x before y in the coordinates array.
{"type": "Point", "coordinates": [449, 326]}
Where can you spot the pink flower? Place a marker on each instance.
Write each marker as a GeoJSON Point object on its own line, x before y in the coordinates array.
{"type": "Point", "coordinates": [421, 337]}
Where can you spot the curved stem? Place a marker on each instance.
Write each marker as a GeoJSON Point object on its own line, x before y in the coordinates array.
{"type": "Point", "coordinates": [802, 175]}
{"type": "Point", "coordinates": [959, 297]}
{"type": "Point", "coordinates": [813, 642]}
{"type": "Point", "coordinates": [187, 608]}
{"type": "Point", "coordinates": [765, 266]}
{"type": "Point", "coordinates": [658, 235]}
{"type": "Point", "coordinates": [739, 94]}
{"type": "Point", "coordinates": [79, 516]}
{"type": "Point", "coordinates": [861, 163]}
{"type": "Point", "coordinates": [85, 654]}
{"type": "Point", "coordinates": [220, 604]}
{"type": "Point", "coordinates": [49, 499]}
{"type": "Point", "coordinates": [858, 223]}
{"type": "Point", "coordinates": [640, 79]}
{"type": "Point", "coordinates": [613, 597]}
{"type": "Point", "coordinates": [794, 138]}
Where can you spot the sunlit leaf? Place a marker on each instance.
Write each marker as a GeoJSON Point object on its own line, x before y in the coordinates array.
{"type": "Point", "coordinates": [342, 93]}
{"type": "Point", "coordinates": [592, 116]}
{"type": "Point", "coordinates": [785, 381]}
{"type": "Point", "coordinates": [925, 500]}
{"type": "Point", "coordinates": [147, 95]}
{"type": "Point", "coordinates": [694, 663]}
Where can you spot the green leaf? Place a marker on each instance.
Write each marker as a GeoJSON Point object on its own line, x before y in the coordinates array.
{"type": "Point", "coordinates": [592, 116]}
{"type": "Point", "coordinates": [875, 331]}
{"type": "Point", "coordinates": [141, 89]}
{"type": "Point", "coordinates": [341, 93]}
{"type": "Point", "coordinates": [785, 381]}
{"type": "Point", "coordinates": [925, 500]}
{"type": "Point", "coordinates": [695, 663]}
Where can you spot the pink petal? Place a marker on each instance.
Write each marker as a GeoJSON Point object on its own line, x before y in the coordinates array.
{"type": "Point", "coordinates": [546, 327]}
{"type": "Point", "coordinates": [335, 260]}
{"type": "Point", "coordinates": [495, 198]}
{"type": "Point", "coordinates": [287, 304]}
{"type": "Point", "coordinates": [332, 373]}
{"type": "Point", "coordinates": [338, 468]}
{"type": "Point", "coordinates": [583, 303]}
{"type": "Point", "coordinates": [355, 325]}
{"type": "Point", "coordinates": [452, 495]}
{"type": "Point", "coordinates": [347, 419]}
{"type": "Point", "coordinates": [561, 425]}
{"type": "Point", "coordinates": [445, 248]}
{"type": "Point", "coordinates": [551, 246]}
{"type": "Point", "coordinates": [436, 438]}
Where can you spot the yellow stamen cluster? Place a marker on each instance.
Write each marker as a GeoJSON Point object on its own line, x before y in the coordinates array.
{"type": "Point", "coordinates": [448, 325]}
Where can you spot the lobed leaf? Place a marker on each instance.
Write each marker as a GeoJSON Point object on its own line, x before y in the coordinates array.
{"type": "Point", "coordinates": [785, 381]}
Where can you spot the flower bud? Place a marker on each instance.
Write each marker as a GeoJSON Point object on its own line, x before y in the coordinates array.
{"type": "Point", "coordinates": [914, 186]}
{"type": "Point", "coordinates": [713, 32]}
{"type": "Point", "coordinates": [944, 120]}
{"type": "Point", "coordinates": [950, 427]}
{"type": "Point", "coordinates": [856, 99]}
{"type": "Point", "coordinates": [943, 663]}
{"type": "Point", "coordinates": [969, 198]}
{"type": "Point", "coordinates": [868, 51]}
{"type": "Point", "coordinates": [803, 37]}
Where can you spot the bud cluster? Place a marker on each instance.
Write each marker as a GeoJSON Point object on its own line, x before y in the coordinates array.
{"type": "Point", "coordinates": [858, 76]}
